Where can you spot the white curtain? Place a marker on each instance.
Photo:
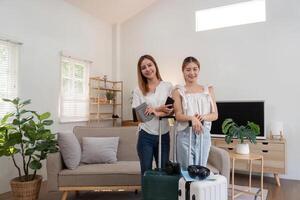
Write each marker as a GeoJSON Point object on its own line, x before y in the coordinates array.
{"type": "Point", "coordinates": [9, 57]}
{"type": "Point", "coordinates": [74, 95]}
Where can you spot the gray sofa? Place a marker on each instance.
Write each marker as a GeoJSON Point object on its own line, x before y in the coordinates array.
{"type": "Point", "coordinates": [125, 174]}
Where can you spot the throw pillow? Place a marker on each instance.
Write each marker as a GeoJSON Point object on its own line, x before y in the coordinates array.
{"type": "Point", "coordinates": [70, 149]}
{"type": "Point", "coordinates": [99, 149]}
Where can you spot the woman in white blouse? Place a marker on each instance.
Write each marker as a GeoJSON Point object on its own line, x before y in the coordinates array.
{"type": "Point", "coordinates": [153, 91]}
{"type": "Point", "coordinates": [196, 103]}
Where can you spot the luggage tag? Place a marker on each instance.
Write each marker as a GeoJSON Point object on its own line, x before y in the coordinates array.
{"type": "Point", "coordinates": [171, 121]}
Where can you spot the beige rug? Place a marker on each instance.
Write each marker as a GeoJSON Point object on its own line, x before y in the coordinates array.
{"type": "Point", "coordinates": [248, 196]}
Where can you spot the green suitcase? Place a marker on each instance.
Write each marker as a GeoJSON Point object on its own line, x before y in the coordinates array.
{"type": "Point", "coordinates": [157, 184]}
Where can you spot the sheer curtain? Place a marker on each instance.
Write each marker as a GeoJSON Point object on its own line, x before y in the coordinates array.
{"type": "Point", "coordinates": [74, 96]}
{"type": "Point", "coordinates": [9, 57]}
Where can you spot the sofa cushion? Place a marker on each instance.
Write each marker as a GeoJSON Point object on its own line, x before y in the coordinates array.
{"type": "Point", "coordinates": [70, 149]}
{"type": "Point", "coordinates": [99, 149]}
{"type": "Point", "coordinates": [127, 142]}
{"type": "Point", "coordinates": [119, 173]}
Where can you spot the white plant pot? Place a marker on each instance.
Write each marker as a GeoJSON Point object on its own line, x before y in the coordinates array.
{"type": "Point", "coordinates": [242, 148]}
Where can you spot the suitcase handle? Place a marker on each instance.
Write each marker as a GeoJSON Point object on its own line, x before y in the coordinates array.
{"type": "Point", "coordinates": [190, 123]}
{"type": "Point", "coordinates": [190, 144]}
{"type": "Point", "coordinates": [167, 117]}
{"type": "Point", "coordinates": [159, 144]}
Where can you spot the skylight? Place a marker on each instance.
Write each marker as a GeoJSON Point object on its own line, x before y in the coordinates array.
{"type": "Point", "coordinates": [231, 15]}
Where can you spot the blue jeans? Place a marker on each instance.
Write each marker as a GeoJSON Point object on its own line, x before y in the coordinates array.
{"type": "Point", "coordinates": [199, 150]}
{"type": "Point", "coordinates": [147, 147]}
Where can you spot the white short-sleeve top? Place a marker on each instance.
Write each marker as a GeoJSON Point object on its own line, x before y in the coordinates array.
{"type": "Point", "coordinates": [195, 103]}
{"type": "Point", "coordinates": [153, 99]}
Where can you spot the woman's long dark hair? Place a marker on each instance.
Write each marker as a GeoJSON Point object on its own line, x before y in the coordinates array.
{"type": "Point", "coordinates": [142, 80]}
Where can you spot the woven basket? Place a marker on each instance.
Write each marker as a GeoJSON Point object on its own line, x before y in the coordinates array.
{"type": "Point", "coordinates": [28, 190]}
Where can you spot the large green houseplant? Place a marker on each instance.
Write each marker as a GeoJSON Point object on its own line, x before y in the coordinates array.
{"type": "Point", "coordinates": [24, 134]}
{"type": "Point", "coordinates": [242, 133]}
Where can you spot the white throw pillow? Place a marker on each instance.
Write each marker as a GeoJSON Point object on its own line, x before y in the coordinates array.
{"type": "Point", "coordinates": [70, 149]}
{"type": "Point", "coordinates": [99, 149]}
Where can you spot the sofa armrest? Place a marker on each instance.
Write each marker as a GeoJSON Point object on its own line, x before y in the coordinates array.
{"type": "Point", "coordinates": [54, 166]}
{"type": "Point", "coordinates": [219, 158]}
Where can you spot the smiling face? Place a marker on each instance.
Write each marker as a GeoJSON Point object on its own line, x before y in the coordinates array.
{"type": "Point", "coordinates": [148, 69]}
{"type": "Point", "coordinates": [191, 72]}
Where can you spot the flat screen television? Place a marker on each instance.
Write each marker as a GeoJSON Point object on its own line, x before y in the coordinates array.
{"type": "Point", "coordinates": [240, 112]}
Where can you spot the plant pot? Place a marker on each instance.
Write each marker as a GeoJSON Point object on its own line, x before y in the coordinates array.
{"type": "Point", "coordinates": [242, 148]}
{"type": "Point", "coordinates": [28, 190]}
{"type": "Point", "coordinates": [109, 101]}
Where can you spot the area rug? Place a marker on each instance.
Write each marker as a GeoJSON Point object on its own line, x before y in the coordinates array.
{"type": "Point", "coordinates": [138, 196]}
{"type": "Point", "coordinates": [248, 196]}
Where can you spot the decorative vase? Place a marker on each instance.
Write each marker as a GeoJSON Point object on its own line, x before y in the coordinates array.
{"type": "Point", "coordinates": [28, 190]}
{"type": "Point", "coordinates": [242, 148]}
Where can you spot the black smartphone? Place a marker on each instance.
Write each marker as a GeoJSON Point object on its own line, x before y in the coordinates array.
{"type": "Point", "coordinates": [169, 101]}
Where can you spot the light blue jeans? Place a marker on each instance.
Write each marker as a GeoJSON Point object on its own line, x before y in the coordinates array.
{"type": "Point", "coordinates": [199, 154]}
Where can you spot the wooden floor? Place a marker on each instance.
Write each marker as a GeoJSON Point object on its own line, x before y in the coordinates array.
{"type": "Point", "coordinates": [289, 190]}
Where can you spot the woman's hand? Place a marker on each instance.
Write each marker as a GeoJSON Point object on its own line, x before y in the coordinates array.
{"type": "Point", "coordinates": [151, 111]}
{"type": "Point", "coordinates": [197, 126]}
{"type": "Point", "coordinates": [167, 109]}
{"type": "Point", "coordinates": [201, 118]}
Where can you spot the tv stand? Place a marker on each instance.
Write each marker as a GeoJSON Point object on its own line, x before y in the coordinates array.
{"type": "Point", "coordinates": [273, 151]}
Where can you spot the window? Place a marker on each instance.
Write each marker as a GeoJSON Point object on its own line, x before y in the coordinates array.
{"type": "Point", "coordinates": [8, 74]}
{"type": "Point", "coordinates": [74, 90]}
{"type": "Point", "coordinates": [231, 15]}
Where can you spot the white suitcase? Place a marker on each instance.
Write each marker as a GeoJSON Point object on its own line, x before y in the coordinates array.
{"type": "Point", "coordinates": [212, 188]}
{"type": "Point", "coordinates": [204, 190]}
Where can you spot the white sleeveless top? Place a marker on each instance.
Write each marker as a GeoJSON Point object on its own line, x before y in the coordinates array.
{"type": "Point", "coordinates": [195, 103]}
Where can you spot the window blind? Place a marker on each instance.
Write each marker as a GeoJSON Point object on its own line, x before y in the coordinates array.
{"type": "Point", "coordinates": [74, 100]}
{"type": "Point", "coordinates": [8, 74]}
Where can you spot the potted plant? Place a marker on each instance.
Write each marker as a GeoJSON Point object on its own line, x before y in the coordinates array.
{"type": "Point", "coordinates": [110, 95]}
{"type": "Point", "coordinates": [242, 133]}
{"type": "Point", "coordinates": [24, 134]}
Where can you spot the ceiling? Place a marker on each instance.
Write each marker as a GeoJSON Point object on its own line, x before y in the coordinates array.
{"type": "Point", "coordinates": [112, 11]}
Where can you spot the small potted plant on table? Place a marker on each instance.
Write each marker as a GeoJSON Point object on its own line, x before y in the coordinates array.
{"type": "Point", "coordinates": [242, 133]}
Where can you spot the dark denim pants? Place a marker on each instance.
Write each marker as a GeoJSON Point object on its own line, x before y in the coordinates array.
{"type": "Point", "coordinates": [147, 147]}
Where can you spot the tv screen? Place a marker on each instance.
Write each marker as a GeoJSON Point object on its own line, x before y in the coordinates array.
{"type": "Point", "coordinates": [240, 112]}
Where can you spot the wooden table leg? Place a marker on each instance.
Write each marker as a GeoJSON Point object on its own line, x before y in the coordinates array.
{"type": "Point", "coordinates": [262, 179]}
{"type": "Point", "coordinates": [250, 175]}
{"type": "Point", "coordinates": [65, 195]}
{"type": "Point", "coordinates": [276, 176]}
{"type": "Point", "coordinates": [232, 181]}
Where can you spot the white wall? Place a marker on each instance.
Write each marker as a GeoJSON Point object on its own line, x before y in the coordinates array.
{"type": "Point", "coordinates": [249, 62]}
{"type": "Point", "coordinates": [47, 27]}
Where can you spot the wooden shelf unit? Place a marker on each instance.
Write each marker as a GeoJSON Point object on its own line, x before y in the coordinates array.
{"type": "Point", "coordinates": [102, 109]}
{"type": "Point", "coordinates": [273, 151]}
